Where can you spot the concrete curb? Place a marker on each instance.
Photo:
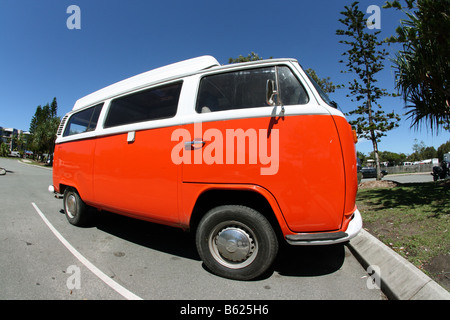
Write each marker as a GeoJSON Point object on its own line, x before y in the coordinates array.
{"type": "Point", "coordinates": [24, 161]}
{"type": "Point", "coordinates": [400, 279]}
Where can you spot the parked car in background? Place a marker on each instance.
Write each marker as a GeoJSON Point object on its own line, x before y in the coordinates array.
{"type": "Point", "coordinates": [358, 169]}
{"type": "Point", "coordinates": [371, 172]}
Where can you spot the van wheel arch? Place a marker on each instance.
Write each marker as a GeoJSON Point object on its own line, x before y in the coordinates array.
{"type": "Point", "coordinates": [219, 197]}
{"type": "Point", "coordinates": [76, 211]}
{"type": "Point", "coordinates": [236, 242]}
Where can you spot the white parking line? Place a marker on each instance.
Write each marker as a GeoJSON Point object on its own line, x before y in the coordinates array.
{"type": "Point", "coordinates": [114, 285]}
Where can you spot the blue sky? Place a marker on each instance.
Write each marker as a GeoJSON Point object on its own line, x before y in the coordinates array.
{"type": "Point", "coordinates": [40, 58]}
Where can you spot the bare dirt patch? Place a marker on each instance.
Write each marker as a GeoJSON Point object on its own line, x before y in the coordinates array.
{"type": "Point", "coordinates": [377, 184]}
{"type": "Point", "coordinates": [439, 267]}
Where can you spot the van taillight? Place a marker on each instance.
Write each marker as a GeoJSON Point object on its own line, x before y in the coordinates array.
{"type": "Point", "coordinates": [355, 136]}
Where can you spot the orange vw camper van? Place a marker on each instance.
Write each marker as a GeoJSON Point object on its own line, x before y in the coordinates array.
{"type": "Point", "coordinates": [234, 153]}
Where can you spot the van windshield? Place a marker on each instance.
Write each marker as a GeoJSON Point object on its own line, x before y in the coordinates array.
{"type": "Point", "coordinates": [322, 93]}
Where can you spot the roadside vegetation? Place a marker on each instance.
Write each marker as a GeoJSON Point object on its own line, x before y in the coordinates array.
{"type": "Point", "coordinates": [412, 219]}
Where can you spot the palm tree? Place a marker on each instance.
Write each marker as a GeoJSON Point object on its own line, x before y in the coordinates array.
{"type": "Point", "coordinates": [422, 68]}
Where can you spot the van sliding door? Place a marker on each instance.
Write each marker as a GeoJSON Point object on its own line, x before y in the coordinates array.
{"type": "Point", "coordinates": [133, 170]}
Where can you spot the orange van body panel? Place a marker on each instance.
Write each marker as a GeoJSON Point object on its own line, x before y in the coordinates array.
{"type": "Point", "coordinates": [137, 178]}
{"type": "Point", "coordinates": [310, 182]}
{"type": "Point", "coordinates": [311, 191]}
{"type": "Point", "coordinates": [73, 166]}
{"type": "Point", "coordinates": [349, 157]}
{"type": "Point", "coordinates": [192, 191]}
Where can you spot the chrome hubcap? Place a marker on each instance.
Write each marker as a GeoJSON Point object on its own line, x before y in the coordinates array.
{"type": "Point", "coordinates": [233, 245]}
{"type": "Point", "coordinates": [71, 204]}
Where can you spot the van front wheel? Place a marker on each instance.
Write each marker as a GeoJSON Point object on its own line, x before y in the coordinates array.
{"type": "Point", "coordinates": [236, 242]}
{"type": "Point", "coordinates": [75, 209]}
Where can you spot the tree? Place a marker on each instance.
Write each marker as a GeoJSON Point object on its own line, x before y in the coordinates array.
{"type": "Point", "coordinates": [392, 158]}
{"type": "Point", "coordinates": [422, 67]}
{"type": "Point", "coordinates": [365, 58]}
{"type": "Point", "coordinates": [251, 57]}
{"type": "Point", "coordinates": [443, 149]}
{"type": "Point", "coordinates": [422, 152]}
{"type": "Point", "coordinates": [4, 149]}
{"type": "Point", "coordinates": [429, 153]}
{"type": "Point", "coordinates": [37, 118]}
{"type": "Point", "coordinates": [43, 128]}
{"type": "Point", "coordinates": [19, 142]}
{"type": "Point", "coordinates": [325, 83]}
{"type": "Point", "coordinates": [418, 147]}
{"type": "Point", "coordinates": [361, 157]}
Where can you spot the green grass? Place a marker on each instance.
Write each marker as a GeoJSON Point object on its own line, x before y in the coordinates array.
{"type": "Point", "coordinates": [412, 219]}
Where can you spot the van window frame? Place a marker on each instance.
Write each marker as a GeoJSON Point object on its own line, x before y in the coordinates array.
{"type": "Point", "coordinates": [240, 69]}
{"type": "Point", "coordinates": [178, 82]}
{"type": "Point", "coordinates": [300, 82]}
{"type": "Point", "coordinates": [93, 120]}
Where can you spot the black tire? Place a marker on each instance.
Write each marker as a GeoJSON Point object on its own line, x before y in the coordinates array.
{"type": "Point", "coordinates": [236, 242]}
{"type": "Point", "coordinates": [75, 209]}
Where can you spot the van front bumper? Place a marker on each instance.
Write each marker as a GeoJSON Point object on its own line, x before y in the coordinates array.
{"type": "Point", "coordinates": [325, 238]}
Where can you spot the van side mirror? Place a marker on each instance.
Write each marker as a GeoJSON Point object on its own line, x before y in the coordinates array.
{"type": "Point", "coordinates": [270, 92]}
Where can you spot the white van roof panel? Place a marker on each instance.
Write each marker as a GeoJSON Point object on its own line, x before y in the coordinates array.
{"type": "Point", "coordinates": [147, 78]}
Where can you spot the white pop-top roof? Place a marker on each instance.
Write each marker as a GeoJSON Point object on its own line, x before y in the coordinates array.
{"type": "Point", "coordinates": [147, 78]}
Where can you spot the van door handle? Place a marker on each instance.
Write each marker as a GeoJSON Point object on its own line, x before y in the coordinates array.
{"type": "Point", "coordinates": [191, 145]}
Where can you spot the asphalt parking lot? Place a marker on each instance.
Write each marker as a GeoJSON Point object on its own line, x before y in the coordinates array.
{"type": "Point", "coordinates": [43, 257]}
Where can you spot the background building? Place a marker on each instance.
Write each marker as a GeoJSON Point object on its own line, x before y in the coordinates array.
{"type": "Point", "coordinates": [15, 139]}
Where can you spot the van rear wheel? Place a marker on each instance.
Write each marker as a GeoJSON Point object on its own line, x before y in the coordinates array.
{"type": "Point", "coordinates": [75, 209]}
{"type": "Point", "coordinates": [236, 242]}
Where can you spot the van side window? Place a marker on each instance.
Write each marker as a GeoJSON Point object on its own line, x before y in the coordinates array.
{"type": "Point", "coordinates": [152, 104]}
{"type": "Point", "coordinates": [234, 90]}
{"type": "Point", "coordinates": [83, 121]}
{"type": "Point", "coordinates": [247, 89]}
{"type": "Point", "coordinates": [292, 91]}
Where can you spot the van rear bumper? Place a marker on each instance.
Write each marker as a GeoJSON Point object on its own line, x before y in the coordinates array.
{"type": "Point", "coordinates": [54, 191]}
{"type": "Point", "coordinates": [325, 238]}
